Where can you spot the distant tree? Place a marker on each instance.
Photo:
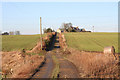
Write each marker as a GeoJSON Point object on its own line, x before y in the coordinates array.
{"type": "Point", "coordinates": [48, 30]}
{"type": "Point", "coordinates": [67, 25]}
{"type": "Point", "coordinates": [45, 30]}
{"type": "Point", "coordinates": [5, 33]}
{"type": "Point", "coordinates": [70, 29]}
{"type": "Point", "coordinates": [17, 32]}
{"type": "Point", "coordinates": [70, 24]}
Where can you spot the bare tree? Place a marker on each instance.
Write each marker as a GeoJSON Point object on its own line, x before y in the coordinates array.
{"type": "Point", "coordinates": [45, 30]}
{"type": "Point", "coordinates": [66, 26]}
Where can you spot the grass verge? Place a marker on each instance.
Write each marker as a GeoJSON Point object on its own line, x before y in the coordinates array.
{"type": "Point", "coordinates": [56, 68]}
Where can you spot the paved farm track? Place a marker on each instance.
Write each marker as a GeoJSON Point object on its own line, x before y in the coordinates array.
{"type": "Point", "coordinates": [46, 70]}
{"type": "Point", "coordinates": [67, 68]}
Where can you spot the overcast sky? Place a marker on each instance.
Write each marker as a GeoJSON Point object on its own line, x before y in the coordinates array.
{"type": "Point", "coordinates": [24, 16]}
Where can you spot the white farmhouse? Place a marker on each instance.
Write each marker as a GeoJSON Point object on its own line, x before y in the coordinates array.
{"type": "Point", "coordinates": [58, 31]}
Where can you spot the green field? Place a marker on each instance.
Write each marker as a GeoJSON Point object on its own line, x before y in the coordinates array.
{"type": "Point", "coordinates": [92, 41]}
{"type": "Point", "coordinates": [19, 42]}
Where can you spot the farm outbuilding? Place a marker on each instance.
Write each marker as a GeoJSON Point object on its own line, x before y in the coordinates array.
{"type": "Point", "coordinates": [58, 31]}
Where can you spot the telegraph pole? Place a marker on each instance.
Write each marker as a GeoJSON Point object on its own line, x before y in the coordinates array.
{"type": "Point", "coordinates": [41, 32]}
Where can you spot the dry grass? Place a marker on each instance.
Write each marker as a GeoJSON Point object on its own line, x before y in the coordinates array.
{"type": "Point", "coordinates": [94, 65]}
{"type": "Point", "coordinates": [16, 66]}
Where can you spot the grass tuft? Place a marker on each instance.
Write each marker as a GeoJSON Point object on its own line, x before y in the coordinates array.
{"type": "Point", "coordinates": [56, 68]}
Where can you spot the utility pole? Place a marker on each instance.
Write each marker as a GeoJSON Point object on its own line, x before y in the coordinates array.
{"type": "Point", "coordinates": [41, 32]}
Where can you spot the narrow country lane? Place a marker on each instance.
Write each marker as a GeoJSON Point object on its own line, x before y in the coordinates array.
{"type": "Point", "coordinates": [46, 70]}
{"type": "Point", "coordinates": [66, 68]}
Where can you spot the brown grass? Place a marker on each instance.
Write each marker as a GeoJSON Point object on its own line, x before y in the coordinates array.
{"type": "Point", "coordinates": [94, 65]}
{"type": "Point", "coordinates": [16, 66]}
{"type": "Point", "coordinates": [19, 64]}
{"type": "Point", "coordinates": [62, 41]}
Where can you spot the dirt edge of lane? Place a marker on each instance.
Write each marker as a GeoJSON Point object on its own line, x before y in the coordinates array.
{"type": "Point", "coordinates": [38, 69]}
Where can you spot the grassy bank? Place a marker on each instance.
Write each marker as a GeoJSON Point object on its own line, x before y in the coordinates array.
{"type": "Point", "coordinates": [91, 41]}
{"type": "Point", "coordinates": [19, 42]}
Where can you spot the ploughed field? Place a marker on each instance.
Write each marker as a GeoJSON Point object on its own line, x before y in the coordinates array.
{"type": "Point", "coordinates": [91, 41]}
{"type": "Point", "coordinates": [19, 42]}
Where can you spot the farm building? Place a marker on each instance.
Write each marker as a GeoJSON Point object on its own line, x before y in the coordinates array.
{"type": "Point", "coordinates": [68, 27]}
{"type": "Point", "coordinates": [58, 31]}
{"type": "Point", "coordinates": [76, 29]}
